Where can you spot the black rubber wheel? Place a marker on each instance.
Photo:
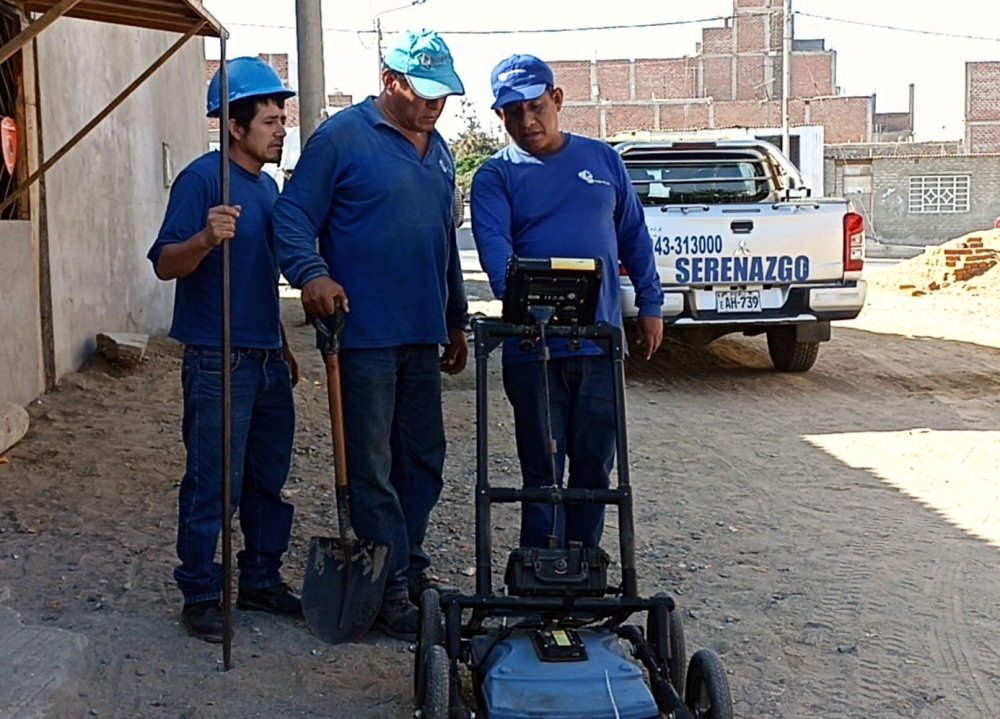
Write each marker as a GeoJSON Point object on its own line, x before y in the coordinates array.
{"type": "Point", "coordinates": [436, 702]}
{"type": "Point", "coordinates": [707, 692]}
{"type": "Point", "coordinates": [429, 634]}
{"type": "Point", "coordinates": [789, 355]}
{"type": "Point", "coordinates": [669, 648]}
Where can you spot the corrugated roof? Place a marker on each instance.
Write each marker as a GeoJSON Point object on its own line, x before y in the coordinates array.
{"type": "Point", "coordinates": [171, 15]}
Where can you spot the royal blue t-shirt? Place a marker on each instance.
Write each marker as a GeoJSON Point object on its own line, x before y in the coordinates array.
{"type": "Point", "coordinates": [254, 308]}
{"type": "Point", "coordinates": [575, 202]}
{"type": "Point", "coordinates": [383, 216]}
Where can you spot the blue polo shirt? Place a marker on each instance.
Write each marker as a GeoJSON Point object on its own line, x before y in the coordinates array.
{"type": "Point", "coordinates": [575, 202]}
{"type": "Point", "coordinates": [254, 308]}
{"type": "Point", "coordinates": [382, 214]}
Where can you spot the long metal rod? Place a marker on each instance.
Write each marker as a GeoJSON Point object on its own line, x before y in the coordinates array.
{"type": "Point", "coordinates": [75, 140]}
{"type": "Point", "coordinates": [484, 529]}
{"type": "Point", "coordinates": [786, 79]}
{"type": "Point", "coordinates": [227, 379]}
{"type": "Point", "coordinates": [29, 33]}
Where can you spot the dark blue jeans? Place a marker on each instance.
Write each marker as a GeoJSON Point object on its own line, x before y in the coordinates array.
{"type": "Point", "coordinates": [583, 426]}
{"type": "Point", "coordinates": [394, 431]}
{"type": "Point", "coordinates": [263, 423]}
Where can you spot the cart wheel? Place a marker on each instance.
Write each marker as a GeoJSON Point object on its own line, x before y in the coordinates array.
{"type": "Point", "coordinates": [676, 661]}
{"type": "Point", "coordinates": [429, 633]}
{"type": "Point", "coordinates": [707, 691]}
{"type": "Point", "coordinates": [436, 701]}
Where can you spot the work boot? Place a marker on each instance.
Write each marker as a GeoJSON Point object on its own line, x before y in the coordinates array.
{"type": "Point", "coordinates": [279, 599]}
{"type": "Point", "coordinates": [203, 620]}
{"type": "Point", "coordinates": [398, 618]}
{"type": "Point", "coordinates": [417, 583]}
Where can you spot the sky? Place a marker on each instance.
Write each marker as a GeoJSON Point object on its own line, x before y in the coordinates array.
{"type": "Point", "coordinates": [869, 59]}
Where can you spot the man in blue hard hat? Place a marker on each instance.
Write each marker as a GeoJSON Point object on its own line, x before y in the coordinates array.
{"type": "Point", "coordinates": [188, 250]}
{"type": "Point", "coordinates": [554, 194]}
{"type": "Point", "coordinates": [376, 183]}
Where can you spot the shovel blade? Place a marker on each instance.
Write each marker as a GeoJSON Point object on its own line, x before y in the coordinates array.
{"type": "Point", "coordinates": [343, 587]}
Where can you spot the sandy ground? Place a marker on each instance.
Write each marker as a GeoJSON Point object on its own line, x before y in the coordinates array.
{"type": "Point", "coordinates": [833, 535]}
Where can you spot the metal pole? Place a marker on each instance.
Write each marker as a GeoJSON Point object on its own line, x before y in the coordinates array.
{"type": "Point", "coordinates": [227, 377]}
{"type": "Point", "coordinates": [786, 74]}
{"type": "Point", "coordinates": [312, 79]}
{"type": "Point", "coordinates": [378, 44]}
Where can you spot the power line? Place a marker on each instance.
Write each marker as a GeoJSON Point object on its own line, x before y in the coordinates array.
{"type": "Point", "coordinates": [897, 29]}
{"type": "Point", "coordinates": [526, 31]}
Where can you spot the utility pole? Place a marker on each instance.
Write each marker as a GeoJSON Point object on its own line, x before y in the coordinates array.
{"type": "Point", "coordinates": [312, 78]}
{"type": "Point", "coordinates": [786, 75]}
{"type": "Point", "coordinates": [378, 35]}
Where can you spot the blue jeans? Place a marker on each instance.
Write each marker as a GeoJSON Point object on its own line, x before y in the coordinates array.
{"type": "Point", "coordinates": [394, 430]}
{"type": "Point", "coordinates": [583, 426]}
{"type": "Point", "coordinates": [263, 424]}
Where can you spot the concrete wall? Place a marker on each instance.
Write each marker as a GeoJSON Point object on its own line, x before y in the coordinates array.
{"type": "Point", "coordinates": [106, 198]}
{"type": "Point", "coordinates": [879, 186]}
{"type": "Point", "coordinates": [20, 337]}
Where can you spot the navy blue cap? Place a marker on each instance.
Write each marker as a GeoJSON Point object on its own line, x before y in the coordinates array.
{"type": "Point", "coordinates": [519, 78]}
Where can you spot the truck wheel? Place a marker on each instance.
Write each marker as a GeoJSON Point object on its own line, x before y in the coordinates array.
{"type": "Point", "coordinates": [787, 354]}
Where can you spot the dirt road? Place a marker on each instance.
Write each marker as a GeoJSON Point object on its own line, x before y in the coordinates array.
{"type": "Point", "coordinates": [832, 535]}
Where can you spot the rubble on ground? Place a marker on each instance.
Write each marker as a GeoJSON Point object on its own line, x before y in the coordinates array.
{"type": "Point", "coordinates": [964, 264]}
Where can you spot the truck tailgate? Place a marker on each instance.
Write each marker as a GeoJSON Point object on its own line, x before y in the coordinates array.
{"type": "Point", "coordinates": [792, 242]}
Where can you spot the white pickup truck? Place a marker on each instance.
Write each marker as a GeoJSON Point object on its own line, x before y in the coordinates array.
{"type": "Point", "coordinates": [741, 246]}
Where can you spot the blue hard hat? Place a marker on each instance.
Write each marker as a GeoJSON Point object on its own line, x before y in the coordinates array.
{"type": "Point", "coordinates": [248, 77]}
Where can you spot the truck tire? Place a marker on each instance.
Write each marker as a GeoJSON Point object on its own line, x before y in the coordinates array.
{"type": "Point", "coordinates": [789, 355]}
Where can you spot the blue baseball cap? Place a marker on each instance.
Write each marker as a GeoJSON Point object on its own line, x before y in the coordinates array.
{"type": "Point", "coordinates": [519, 78]}
{"type": "Point", "coordinates": [425, 60]}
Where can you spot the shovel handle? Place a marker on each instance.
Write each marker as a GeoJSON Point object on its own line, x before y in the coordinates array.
{"type": "Point", "coordinates": [328, 341]}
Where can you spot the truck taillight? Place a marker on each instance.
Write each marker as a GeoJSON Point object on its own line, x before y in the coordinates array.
{"type": "Point", "coordinates": [622, 272]}
{"type": "Point", "coordinates": [854, 242]}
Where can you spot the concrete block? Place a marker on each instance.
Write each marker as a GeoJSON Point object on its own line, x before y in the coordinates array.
{"type": "Point", "coordinates": [122, 347]}
{"type": "Point", "coordinates": [13, 425]}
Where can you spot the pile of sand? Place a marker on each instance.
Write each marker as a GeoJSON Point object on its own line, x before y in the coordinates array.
{"type": "Point", "coordinates": [965, 264]}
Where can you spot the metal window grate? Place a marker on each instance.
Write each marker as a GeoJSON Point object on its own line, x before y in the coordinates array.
{"type": "Point", "coordinates": [939, 194]}
{"type": "Point", "coordinates": [10, 91]}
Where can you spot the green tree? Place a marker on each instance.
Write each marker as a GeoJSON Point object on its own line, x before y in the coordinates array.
{"type": "Point", "coordinates": [471, 148]}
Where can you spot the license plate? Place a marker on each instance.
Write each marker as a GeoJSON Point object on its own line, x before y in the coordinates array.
{"type": "Point", "coordinates": [737, 301]}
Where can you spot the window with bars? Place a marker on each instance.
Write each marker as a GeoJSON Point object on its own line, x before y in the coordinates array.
{"type": "Point", "coordinates": [11, 133]}
{"type": "Point", "coordinates": [939, 194]}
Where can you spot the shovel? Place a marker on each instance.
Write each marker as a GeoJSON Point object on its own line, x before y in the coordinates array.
{"type": "Point", "coordinates": [345, 576]}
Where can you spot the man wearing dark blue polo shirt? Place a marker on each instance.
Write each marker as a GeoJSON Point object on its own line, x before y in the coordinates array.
{"type": "Point", "coordinates": [375, 184]}
{"type": "Point", "coordinates": [187, 249]}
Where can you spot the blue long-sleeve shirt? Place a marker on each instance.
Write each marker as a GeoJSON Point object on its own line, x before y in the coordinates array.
{"type": "Point", "coordinates": [383, 216]}
{"type": "Point", "coordinates": [576, 202]}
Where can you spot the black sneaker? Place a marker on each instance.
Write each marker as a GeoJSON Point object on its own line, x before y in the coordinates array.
{"type": "Point", "coordinates": [398, 619]}
{"type": "Point", "coordinates": [203, 620]}
{"type": "Point", "coordinates": [417, 583]}
{"type": "Point", "coordinates": [279, 599]}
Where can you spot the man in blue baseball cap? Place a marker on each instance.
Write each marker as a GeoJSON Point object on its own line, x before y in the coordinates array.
{"type": "Point", "coordinates": [188, 250]}
{"type": "Point", "coordinates": [554, 194]}
{"type": "Point", "coordinates": [375, 184]}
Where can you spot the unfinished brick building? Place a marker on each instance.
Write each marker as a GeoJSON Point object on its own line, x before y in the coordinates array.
{"type": "Point", "coordinates": [733, 80]}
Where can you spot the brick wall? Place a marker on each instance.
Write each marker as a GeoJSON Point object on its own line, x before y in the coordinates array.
{"type": "Point", "coordinates": [751, 33]}
{"type": "Point", "coordinates": [812, 74]}
{"type": "Point", "coordinates": [665, 79]}
{"type": "Point", "coordinates": [716, 41]}
{"type": "Point", "coordinates": [573, 76]}
{"type": "Point", "coordinates": [717, 75]}
{"type": "Point", "coordinates": [629, 117]}
{"type": "Point", "coordinates": [750, 79]}
{"type": "Point", "coordinates": [982, 106]}
{"type": "Point", "coordinates": [982, 83]}
{"type": "Point", "coordinates": [614, 79]}
{"type": "Point", "coordinates": [585, 120]}
{"type": "Point", "coordinates": [845, 119]}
